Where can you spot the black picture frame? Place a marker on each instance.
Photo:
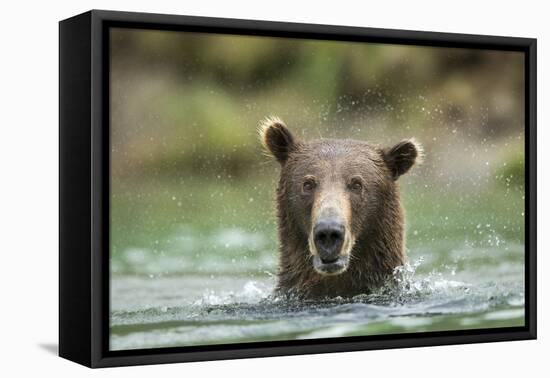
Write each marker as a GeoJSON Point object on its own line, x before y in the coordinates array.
{"type": "Point", "coordinates": [84, 187]}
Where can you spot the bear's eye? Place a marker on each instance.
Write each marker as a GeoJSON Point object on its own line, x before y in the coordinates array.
{"type": "Point", "coordinates": [356, 185]}
{"type": "Point", "coordinates": [308, 185]}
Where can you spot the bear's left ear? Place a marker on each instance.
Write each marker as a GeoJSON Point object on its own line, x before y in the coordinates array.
{"type": "Point", "coordinates": [401, 157]}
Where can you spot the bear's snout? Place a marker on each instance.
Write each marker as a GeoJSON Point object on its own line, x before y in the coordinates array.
{"type": "Point", "coordinates": [328, 235]}
{"type": "Point", "coordinates": [331, 243]}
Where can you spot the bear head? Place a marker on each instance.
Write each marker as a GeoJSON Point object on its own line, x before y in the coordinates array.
{"type": "Point", "coordinates": [337, 198]}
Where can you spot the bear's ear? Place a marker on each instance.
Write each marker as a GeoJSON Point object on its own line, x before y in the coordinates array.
{"type": "Point", "coordinates": [401, 157]}
{"type": "Point", "coordinates": [276, 138]}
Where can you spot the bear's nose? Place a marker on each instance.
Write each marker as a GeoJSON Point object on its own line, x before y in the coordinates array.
{"type": "Point", "coordinates": [328, 235]}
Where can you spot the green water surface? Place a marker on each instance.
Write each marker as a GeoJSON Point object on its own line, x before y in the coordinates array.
{"type": "Point", "coordinates": [193, 263]}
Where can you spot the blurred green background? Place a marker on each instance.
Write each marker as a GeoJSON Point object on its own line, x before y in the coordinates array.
{"type": "Point", "coordinates": [188, 101]}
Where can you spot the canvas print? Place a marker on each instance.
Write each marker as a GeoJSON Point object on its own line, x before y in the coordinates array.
{"type": "Point", "coordinates": [276, 189]}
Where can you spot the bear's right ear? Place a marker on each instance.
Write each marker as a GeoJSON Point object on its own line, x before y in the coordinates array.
{"type": "Point", "coordinates": [276, 138]}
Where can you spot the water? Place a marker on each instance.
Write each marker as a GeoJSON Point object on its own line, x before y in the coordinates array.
{"type": "Point", "coordinates": [183, 312]}
{"type": "Point", "coordinates": [179, 282]}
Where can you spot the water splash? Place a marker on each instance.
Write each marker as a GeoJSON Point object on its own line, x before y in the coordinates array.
{"type": "Point", "coordinates": [252, 292]}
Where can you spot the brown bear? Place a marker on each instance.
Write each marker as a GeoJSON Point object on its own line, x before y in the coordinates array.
{"type": "Point", "coordinates": [340, 220]}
